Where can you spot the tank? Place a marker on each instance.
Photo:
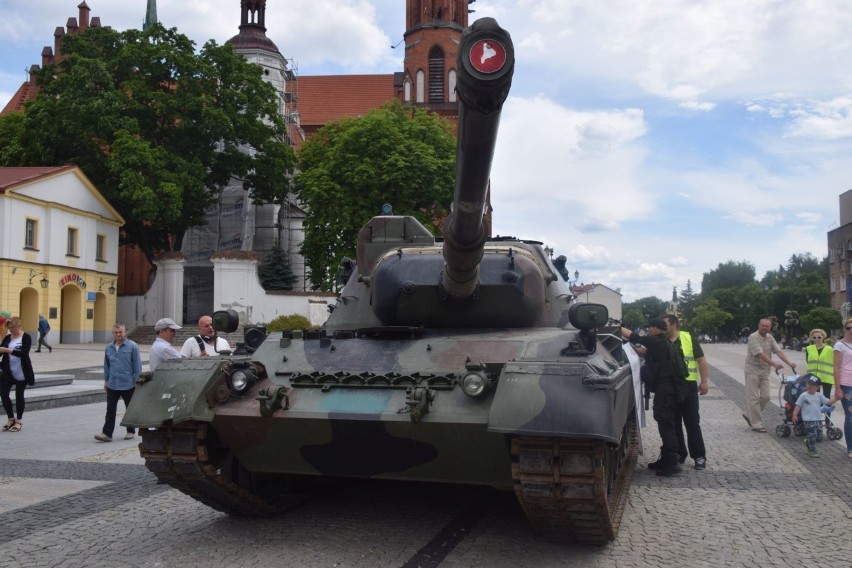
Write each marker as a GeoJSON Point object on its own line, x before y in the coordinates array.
{"type": "Point", "coordinates": [456, 360]}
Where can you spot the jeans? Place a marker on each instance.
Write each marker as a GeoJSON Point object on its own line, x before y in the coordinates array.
{"type": "Point", "coordinates": [846, 402]}
{"type": "Point", "coordinates": [112, 407]}
{"type": "Point", "coordinates": [691, 421]}
{"type": "Point", "coordinates": [43, 341]}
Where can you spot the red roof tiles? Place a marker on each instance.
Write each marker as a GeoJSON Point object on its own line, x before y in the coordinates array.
{"type": "Point", "coordinates": [10, 177]}
{"type": "Point", "coordinates": [325, 98]}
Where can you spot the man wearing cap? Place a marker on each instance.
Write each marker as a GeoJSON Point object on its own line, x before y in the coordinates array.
{"type": "Point", "coordinates": [667, 372]}
{"type": "Point", "coordinates": [162, 349]}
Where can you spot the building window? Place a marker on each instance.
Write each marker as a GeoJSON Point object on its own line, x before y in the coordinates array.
{"type": "Point", "coordinates": [100, 248]}
{"type": "Point", "coordinates": [421, 88]}
{"type": "Point", "coordinates": [71, 250]}
{"type": "Point", "coordinates": [406, 90]}
{"type": "Point", "coordinates": [436, 75]}
{"type": "Point", "coordinates": [452, 86]}
{"type": "Point", "coordinates": [31, 234]}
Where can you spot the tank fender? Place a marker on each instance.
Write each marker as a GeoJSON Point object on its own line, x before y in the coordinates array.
{"type": "Point", "coordinates": [176, 392]}
{"type": "Point", "coordinates": [561, 399]}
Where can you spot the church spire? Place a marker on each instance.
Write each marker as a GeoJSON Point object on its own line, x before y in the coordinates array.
{"type": "Point", "coordinates": [150, 15]}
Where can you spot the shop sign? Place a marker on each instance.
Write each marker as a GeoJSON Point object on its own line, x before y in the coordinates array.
{"type": "Point", "coordinates": [68, 278]}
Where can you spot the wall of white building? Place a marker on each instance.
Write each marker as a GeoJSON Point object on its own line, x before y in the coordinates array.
{"type": "Point", "coordinates": [235, 286]}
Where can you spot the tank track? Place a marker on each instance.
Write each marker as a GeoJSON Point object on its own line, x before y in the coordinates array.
{"type": "Point", "coordinates": [179, 456]}
{"type": "Point", "coordinates": [574, 490]}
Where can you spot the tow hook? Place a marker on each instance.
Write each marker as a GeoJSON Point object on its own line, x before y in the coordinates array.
{"type": "Point", "coordinates": [419, 400]}
{"type": "Point", "coordinates": [272, 399]}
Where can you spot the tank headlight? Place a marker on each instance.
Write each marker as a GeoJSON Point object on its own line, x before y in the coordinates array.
{"type": "Point", "coordinates": [474, 384]}
{"type": "Point", "coordinates": [240, 380]}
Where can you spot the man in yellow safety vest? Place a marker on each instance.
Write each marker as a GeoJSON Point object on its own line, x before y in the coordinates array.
{"type": "Point", "coordinates": [696, 384]}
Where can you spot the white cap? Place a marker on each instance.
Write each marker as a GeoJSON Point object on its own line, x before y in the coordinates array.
{"type": "Point", "coordinates": [165, 323]}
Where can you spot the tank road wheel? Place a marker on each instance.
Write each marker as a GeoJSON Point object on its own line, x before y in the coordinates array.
{"type": "Point", "coordinates": [574, 490]}
{"type": "Point", "coordinates": [189, 458]}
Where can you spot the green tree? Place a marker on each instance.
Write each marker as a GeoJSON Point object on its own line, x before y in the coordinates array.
{"type": "Point", "coordinates": [274, 272]}
{"type": "Point", "coordinates": [11, 137]}
{"type": "Point", "coordinates": [158, 127]}
{"type": "Point", "coordinates": [710, 318]}
{"type": "Point", "coordinates": [688, 301]}
{"type": "Point", "coordinates": [727, 275]}
{"type": "Point", "coordinates": [633, 317]}
{"type": "Point", "coordinates": [822, 318]}
{"type": "Point", "coordinates": [351, 167]}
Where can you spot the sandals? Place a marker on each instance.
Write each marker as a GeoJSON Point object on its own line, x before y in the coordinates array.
{"type": "Point", "coordinates": [16, 427]}
{"type": "Point", "coordinates": [8, 425]}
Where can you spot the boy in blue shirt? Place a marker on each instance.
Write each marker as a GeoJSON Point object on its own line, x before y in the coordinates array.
{"type": "Point", "coordinates": [812, 404]}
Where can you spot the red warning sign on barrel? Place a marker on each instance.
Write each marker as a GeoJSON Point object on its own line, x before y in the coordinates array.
{"type": "Point", "coordinates": [487, 56]}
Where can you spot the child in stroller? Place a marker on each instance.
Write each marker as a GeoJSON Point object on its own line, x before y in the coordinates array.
{"type": "Point", "coordinates": [792, 387]}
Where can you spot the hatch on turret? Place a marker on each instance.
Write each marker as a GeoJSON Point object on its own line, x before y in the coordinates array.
{"type": "Point", "coordinates": [388, 232]}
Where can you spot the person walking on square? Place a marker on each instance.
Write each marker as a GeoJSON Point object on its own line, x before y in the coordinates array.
{"type": "Point", "coordinates": [43, 330]}
{"type": "Point", "coordinates": [696, 384]}
{"type": "Point", "coordinates": [206, 342]}
{"type": "Point", "coordinates": [161, 349]}
{"type": "Point", "coordinates": [843, 381]}
{"type": "Point", "coordinates": [811, 405]}
{"type": "Point", "coordinates": [761, 347]}
{"type": "Point", "coordinates": [17, 371]}
{"type": "Point", "coordinates": [820, 359]}
{"type": "Point", "coordinates": [122, 364]}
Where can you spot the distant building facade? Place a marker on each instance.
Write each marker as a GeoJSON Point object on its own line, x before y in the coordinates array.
{"type": "Point", "coordinates": [58, 252]}
{"type": "Point", "coordinates": [840, 258]}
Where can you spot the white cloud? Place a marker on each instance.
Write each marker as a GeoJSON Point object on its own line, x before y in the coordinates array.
{"type": "Point", "coordinates": [760, 219]}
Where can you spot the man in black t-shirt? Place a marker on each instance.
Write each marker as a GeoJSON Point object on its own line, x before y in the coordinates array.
{"type": "Point", "coordinates": [665, 368]}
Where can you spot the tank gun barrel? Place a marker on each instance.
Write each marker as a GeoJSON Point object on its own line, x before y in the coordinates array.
{"type": "Point", "coordinates": [486, 61]}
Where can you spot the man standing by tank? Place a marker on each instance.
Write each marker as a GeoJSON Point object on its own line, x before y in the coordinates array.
{"type": "Point", "coordinates": [43, 330]}
{"type": "Point", "coordinates": [206, 342]}
{"type": "Point", "coordinates": [761, 347]}
{"type": "Point", "coordinates": [667, 391]}
{"type": "Point", "coordinates": [161, 349]}
{"type": "Point", "coordinates": [122, 364]}
{"type": "Point", "coordinates": [696, 383]}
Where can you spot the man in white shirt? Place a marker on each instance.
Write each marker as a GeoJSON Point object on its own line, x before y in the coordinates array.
{"type": "Point", "coordinates": [206, 343]}
{"type": "Point", "coordinates": [162, 349]}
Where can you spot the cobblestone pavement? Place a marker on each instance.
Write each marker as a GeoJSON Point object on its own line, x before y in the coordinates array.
{"type": "Point", "coordinates": [69, 501]}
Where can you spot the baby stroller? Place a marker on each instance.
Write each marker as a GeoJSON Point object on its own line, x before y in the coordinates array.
{"type": "Point", "coordinates": [791, 387]}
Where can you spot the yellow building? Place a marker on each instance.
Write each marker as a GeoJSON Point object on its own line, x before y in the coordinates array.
{"type": "Point", "coordinates": [58, 252]}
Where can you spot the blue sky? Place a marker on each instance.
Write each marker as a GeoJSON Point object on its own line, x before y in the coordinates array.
{"type": "Point", "coordinates": [648, 141]}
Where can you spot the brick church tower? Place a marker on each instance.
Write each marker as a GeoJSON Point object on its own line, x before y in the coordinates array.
{"type": "Point", "coordinates": [433, 29]}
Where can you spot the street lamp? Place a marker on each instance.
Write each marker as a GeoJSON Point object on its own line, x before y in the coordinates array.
{"type": "Point", "coordinates": [43, 282]}
{"type": "Point", "coordinates": [745, 306]}
{"type": "Point", "coordinates": [111, 288]}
